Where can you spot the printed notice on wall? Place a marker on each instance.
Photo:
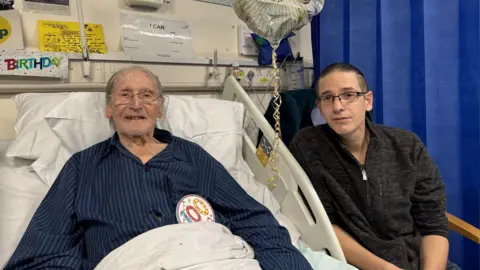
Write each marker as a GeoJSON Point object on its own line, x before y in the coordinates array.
{"type": "Point", "coordinates": [247, 45]}
{"type": "Point", "coordinates": [154, 37]}
{"type": "Point", "coordinates": [39, 64]}
{"type": "Point", "coordinates": [55, 36]}
{"type": "Point", "coordinates": [57, 7]}
{"type": "Point", "coordinates": [11, 36]}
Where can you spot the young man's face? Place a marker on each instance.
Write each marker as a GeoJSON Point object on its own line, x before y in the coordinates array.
{"type": "Point", "coordinates": [347, 115]}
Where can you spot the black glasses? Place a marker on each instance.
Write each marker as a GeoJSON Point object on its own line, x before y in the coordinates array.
{"type": "Point", "coordinates": [346, 97]}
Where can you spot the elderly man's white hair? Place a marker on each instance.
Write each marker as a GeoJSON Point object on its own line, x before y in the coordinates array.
{"type": "Point", "coordinates": [111, 82]}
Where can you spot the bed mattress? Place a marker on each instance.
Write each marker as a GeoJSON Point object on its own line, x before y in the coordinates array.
{"type": "Point", "coordinates": [21, 191]}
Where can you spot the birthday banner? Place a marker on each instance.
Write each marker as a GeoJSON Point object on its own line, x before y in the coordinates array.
{"type": "Point", "coordinates": [38, 64]}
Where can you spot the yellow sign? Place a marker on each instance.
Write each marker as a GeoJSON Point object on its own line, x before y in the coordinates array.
{"type": "Point", "coordinates": [5, 30]}
{"type": "Point", "coordinates": [262, 156]}
{"type": "Point", "coordinates": [55, 36]}
{"type": "Point", "coordinates": [264, 80]}
{"type": "Point", "coordinates": [263, 151]}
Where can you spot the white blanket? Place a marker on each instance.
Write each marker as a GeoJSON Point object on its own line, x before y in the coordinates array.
{"type": "Point", "coordinates": [191, 246]}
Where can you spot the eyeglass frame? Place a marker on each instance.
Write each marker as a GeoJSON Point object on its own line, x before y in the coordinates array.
{"type": "Point", "coordinates": [131, 95]}
{"type": "Point", "coordinates": [357, 95]}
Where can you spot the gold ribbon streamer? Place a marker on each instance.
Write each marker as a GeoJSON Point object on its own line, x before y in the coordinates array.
{"type": "Point", "coordinates": [277, 102]}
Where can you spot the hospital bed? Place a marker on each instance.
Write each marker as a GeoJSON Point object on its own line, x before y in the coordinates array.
{"type": "Point", "coordinates": [21, 189]}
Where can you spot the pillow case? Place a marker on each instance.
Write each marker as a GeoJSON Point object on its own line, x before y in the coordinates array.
{"type": "Point", "coordinates": [33, 135]}
{"type": "Point", "coordinates": [33, 106]}
{"type": "Point", "coordinates": [49, 165]}
{"type": "Point", "coordinates": [214, 124]}
{"type": "Point", "coordinates": [79, 121]}
{"type": "Point", "coordinates": [188, 116]}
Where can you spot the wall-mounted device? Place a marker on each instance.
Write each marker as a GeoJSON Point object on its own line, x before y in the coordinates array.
{"type": "Point", "coordinates": [145, 3]}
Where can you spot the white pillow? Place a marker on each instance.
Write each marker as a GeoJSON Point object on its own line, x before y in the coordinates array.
{"type": "Point", "coordinates": [214, 124]}
{"type": "Point", "coordinates": [49, 165]}
{"type": "Point", "coordinates": [33, 134]}
{"type": "Point", "coordinates": [33, 106]}
{"type": "Point", "coordinates": [188, 117]}
{"type": "Point", "coordinates": [79, 121]}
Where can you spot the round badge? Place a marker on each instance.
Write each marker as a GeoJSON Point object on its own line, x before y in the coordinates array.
{"type": "Point", "coordinates": [194, 208]}
{"type": "Point", "coordinates": [5, 29]}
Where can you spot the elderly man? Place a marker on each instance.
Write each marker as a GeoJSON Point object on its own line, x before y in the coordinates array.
{"type": "Point", "coordinates": [132, 183]}
{"type": "Point", "coordinates": [380, 188]}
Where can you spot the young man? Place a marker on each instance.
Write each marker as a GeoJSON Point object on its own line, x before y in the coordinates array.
{"type": "Point", "coordinates": [380, 188]}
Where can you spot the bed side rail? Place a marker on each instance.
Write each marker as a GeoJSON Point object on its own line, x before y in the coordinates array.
{"type": "Point", "coordinates": [292, 177]}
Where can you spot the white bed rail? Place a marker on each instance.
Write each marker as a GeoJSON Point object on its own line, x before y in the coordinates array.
{"type": "Point", "coordinates": [318, 234]}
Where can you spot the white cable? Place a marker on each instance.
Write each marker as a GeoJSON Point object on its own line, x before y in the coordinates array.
{"type": "Point", "coordinates": [82, 29]}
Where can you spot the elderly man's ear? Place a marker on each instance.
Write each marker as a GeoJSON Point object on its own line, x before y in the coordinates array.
{"type": "Point", "coordinates": [161, 107]}
{"type": "Point", "coordinates": [108, 111]}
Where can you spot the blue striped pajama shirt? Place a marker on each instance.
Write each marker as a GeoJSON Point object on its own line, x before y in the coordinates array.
{"type": "Point", "coordinates": [105, 196]}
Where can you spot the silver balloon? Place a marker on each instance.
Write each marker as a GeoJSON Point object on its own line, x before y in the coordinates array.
{"type": "Point", "coordinates": [275, 19]}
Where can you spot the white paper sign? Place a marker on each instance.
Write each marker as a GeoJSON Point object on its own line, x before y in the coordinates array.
{"type": "Point", "coordinates": [147, 36]}
{"type": "Point", "coordinates": [246, 44]}
{"type": "Point", "coordinates": [11, 36]}
{"type": "Point", "coordinates": [39, 64]}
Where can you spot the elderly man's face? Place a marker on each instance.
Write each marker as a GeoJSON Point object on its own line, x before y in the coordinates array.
{"type": "Point", "coordinates": [135, 104]}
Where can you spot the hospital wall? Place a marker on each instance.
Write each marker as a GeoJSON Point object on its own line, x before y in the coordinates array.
{"type": "Point", "coordinates": [212, 27]}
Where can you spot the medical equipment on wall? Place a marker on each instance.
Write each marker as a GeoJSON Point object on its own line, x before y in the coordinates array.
{"type": "Point", "coordinates": [145, 3]}
{"type": "Point", "coordinates": [274, 20]}
{"type": "Point", "coordinates": [246, 44]}
{"type": "Point", "coordinates": [213, 72]}
{"type": "Point", "coordinates": [236, 72]}
{"type": "Point", "coordinates": [295, 73]}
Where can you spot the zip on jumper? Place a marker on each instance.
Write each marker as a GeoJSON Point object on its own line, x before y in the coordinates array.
{"type": "Point", "coordinates": [365, 185]}
{"type": "Point", "coordinates": [362, 169]}
{"type": "Point", "coordinates": [364, 174]}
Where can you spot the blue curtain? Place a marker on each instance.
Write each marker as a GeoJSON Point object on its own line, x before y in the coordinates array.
{"type": "Point", "coordinates": [421, 60]}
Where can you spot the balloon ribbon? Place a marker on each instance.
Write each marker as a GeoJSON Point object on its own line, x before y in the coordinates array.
{"type": "Point", "coordinates": [277, 102]}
